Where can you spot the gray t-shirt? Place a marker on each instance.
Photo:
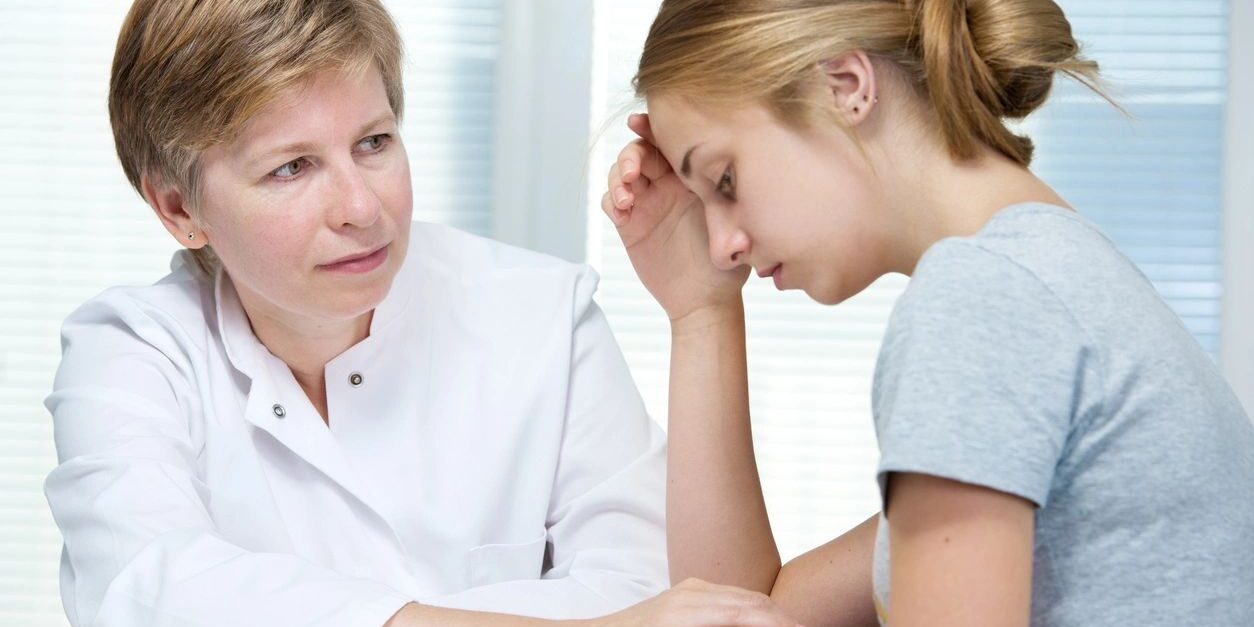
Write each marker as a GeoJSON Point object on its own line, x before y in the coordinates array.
{"type": "Point", "coordinates": [1035, 359]}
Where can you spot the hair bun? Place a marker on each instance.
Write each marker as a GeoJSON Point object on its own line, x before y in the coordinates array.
{"type": "Point", "coordinates": [1023, 43]}
{"type": "Point", "coordinates": [987, 60]}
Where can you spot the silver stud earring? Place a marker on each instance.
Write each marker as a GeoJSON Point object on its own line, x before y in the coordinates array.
{"type": "Point", "coordinates": [191, 236]}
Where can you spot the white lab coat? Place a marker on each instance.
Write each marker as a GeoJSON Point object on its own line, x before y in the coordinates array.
{"type": "Point", "coordinates": [493, 416]}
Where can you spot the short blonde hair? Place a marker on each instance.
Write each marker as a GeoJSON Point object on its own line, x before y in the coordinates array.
{"type": "Point", "coordinates": [188, 74]}
{"type": "Point", "coordinates": [977, 62]}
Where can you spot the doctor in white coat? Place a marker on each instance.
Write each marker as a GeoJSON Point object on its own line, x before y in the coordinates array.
{"type": "Point", "coordinates": [337, 417]}
{"type": "Point", "coordinates": [341, 414]}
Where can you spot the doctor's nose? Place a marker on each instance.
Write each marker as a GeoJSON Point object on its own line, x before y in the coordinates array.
{"type": "Point", "coordinates": [355, 202]}
{"type": "Point", "coordinates": [729, 245]}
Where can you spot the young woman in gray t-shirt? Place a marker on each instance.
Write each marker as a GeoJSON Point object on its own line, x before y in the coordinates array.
{"type": "Point", "coordinates": [1055, 448]}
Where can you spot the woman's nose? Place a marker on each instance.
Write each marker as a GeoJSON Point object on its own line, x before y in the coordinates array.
{"type": "Point", "coordinates": [729, 245]}
{"type": "Point", "coordinates": [356, 203]}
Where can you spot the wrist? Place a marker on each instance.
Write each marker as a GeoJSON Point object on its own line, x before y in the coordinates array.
{"type": "Point", "coordinates": [715, 315]}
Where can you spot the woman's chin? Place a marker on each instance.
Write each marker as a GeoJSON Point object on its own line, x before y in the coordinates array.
{"type": "Point", "coordinates": [827, 294]}
{"type": "Point", "coordinates": [349, 302]}
{"type": "Point", "coordinates": [820, 294]}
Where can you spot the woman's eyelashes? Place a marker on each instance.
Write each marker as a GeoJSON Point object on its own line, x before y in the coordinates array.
{"type": "Point", "coordinates": [367, 146]}
{"type": "Point", "coordinates": [290, 169]}
{"type": "Point", "coordinates": [376, 143]}
{"type": "Point", "coordinates": [726, 186]}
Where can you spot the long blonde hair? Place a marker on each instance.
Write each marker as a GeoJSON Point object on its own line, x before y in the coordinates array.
{"type": "Point", "coordinates": [977, 62]}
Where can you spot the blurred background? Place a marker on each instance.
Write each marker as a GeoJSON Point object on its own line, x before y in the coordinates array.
{"type": "Point", "coordinates": [515, 109]}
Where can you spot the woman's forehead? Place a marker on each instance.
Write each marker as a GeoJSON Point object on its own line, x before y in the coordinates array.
{"type": "Point", "coordinates": [326, 105]}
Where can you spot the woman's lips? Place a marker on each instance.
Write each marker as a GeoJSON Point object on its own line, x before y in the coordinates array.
{"type": "Point", "coordinates": [358, 264]}
{"type": "Point", "coordinates": [774, 273]}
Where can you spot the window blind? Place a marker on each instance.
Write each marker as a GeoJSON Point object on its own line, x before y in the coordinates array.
{"type": "Point", "coordinates": [1151, 181]}
{"type": "Point", "coordinates": [73, 226]}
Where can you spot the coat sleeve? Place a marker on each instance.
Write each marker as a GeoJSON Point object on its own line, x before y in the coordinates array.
{"type": "Point", "coordinates": [140, 545]}
{"type": "Point", "coordinates": [606, 522]}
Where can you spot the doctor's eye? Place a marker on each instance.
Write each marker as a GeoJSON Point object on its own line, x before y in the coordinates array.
{"type": "Point", "coordinates": [289, 169]}
{"type": "Point", "coordinates": [374, 143]}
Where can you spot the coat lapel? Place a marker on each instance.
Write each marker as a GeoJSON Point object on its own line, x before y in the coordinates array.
{"type": "Point", "coordinates": [277, 405]}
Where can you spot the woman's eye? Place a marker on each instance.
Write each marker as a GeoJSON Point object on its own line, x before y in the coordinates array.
{"type": "Point", "coordinates": [374, 143]}
{"type": "Point", "coordinates": [289, 169]}
{"type": "Point", "coordinates": [726, 185]}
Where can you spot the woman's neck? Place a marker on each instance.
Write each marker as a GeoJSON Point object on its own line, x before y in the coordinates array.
{"type": "Point", "coordinates": [305, 344]}
{"type": "Point", "coordinates": [930, 195]}
{"type": "Point", "coordinates": [945, 197]}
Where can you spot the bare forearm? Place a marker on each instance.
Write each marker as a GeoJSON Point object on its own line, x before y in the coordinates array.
{"type": "Point", "coordinates": [831, 585]}
{"type": "Point", "coordinates": [717, 526]}
{"type": "Point", "coordinates": [415, 615]}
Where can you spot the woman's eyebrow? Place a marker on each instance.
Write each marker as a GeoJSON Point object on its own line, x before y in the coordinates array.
{"type": "Point", "coordinates": [685, 169]}
{"type": "Point", "coordinates": [281, 150]}
{"type": "Point", "coordinates": [387, 116]}
{"type": "Point", "coordinates": [304, 146]}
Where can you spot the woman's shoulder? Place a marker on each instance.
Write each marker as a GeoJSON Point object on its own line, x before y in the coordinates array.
{"type": "Point", "coordinates": [1027, 253]}
{"type": "Point", "coordinates": [968, 273]}
{"type": "Point", "coordinates": [169, 314]}
{"type": "Point", "coordinates": [468, 260]}
{"type": "Point", "coordinates": [441, 245]}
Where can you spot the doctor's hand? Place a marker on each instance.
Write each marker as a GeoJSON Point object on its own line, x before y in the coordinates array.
{"type": "Point", "coordinates": [695, 603]}
{"type": "Point", "coordinates": [662, 225]}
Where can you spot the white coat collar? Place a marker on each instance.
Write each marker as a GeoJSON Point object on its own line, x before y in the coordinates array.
{"type": "Point", "coordinates": [248, 354]}
{"type": "Point", "coordinates": [300, 429]}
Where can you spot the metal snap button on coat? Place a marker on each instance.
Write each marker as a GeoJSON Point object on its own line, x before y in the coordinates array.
{"type": "Point", "coordinates": [279, 412]}
{"type": "Point", "coordinates": [355, 379]}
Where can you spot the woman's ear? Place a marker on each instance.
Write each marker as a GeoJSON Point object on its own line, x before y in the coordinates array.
{"type": "Point", "coordinates": [169, 204]}
{"type": "Point", "coordinates": [849, 82]}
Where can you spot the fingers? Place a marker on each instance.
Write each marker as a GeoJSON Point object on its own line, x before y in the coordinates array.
{"type": "Point", "coordinates": [750, 618]}
{"type": "Point", "coordinates": [740, 612]}
{"type": "Point", "coordinates": [640, 125]}
{"type": "Point", "coordinates": [640, 157]}
{"type": "Point", "coordinates": [644, 151]}
{"type": "Point", "coordinates": [624, 183]}
{"type": "Point", "coordinates": [639, 164]}
{"type": "Point", "coordinates": [616, 215]}
{"type": "Point", "coordinates": [653, 164]}
{"type": "Point", "coordinates": [620, 189]}
{"type": "Point", "coordinates": [712, 604]}
{"type": "Point", "coordinates": [617, 186]}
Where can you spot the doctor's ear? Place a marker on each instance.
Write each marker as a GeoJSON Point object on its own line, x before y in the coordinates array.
{"type": "Point", "coordinates": [170, 205]}
{"type": "Point", "coordinates": [849, 82]}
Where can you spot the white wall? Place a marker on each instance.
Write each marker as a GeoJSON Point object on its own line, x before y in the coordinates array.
{"type": "Point", "coordinates": [543, 126]}
{"type": "Point", "coordinates": [1237, 352]}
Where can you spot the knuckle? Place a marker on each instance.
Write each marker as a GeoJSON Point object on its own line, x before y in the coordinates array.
{"type": "Point", "coordinates": [733, 614]}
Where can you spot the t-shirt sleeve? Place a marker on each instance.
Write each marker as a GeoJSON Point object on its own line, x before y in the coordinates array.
{"type": "Point", "coordinates": [979, 375]}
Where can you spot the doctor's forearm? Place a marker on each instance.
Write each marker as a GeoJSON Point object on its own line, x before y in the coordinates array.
{"type": "Point", "coordinates": [717, 525]}
{"type": "Point", "coordinates": [415, 615]}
